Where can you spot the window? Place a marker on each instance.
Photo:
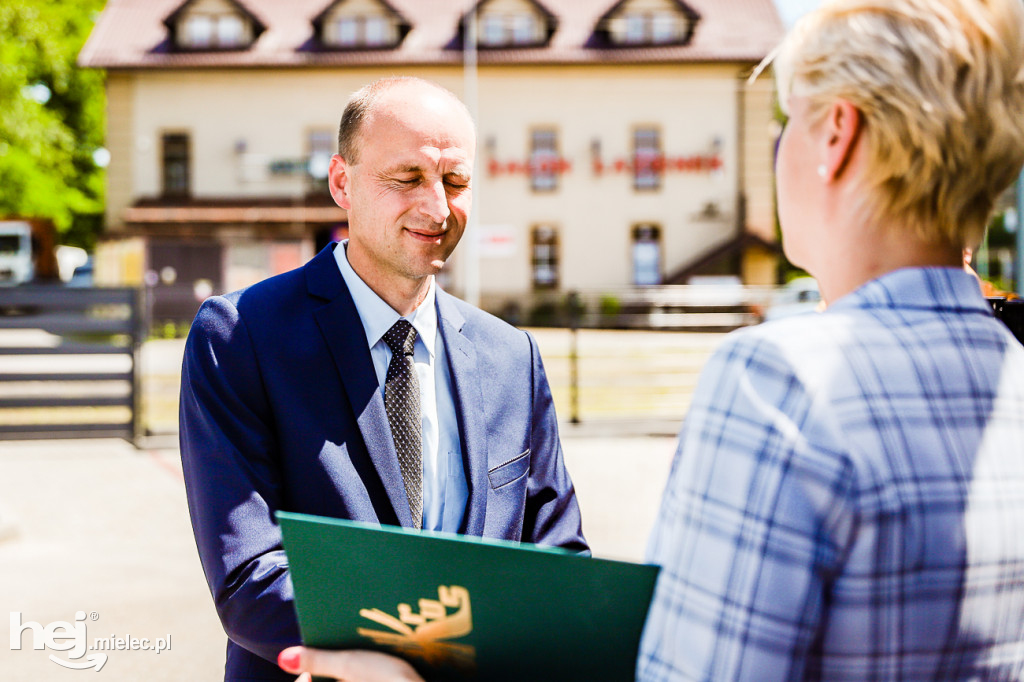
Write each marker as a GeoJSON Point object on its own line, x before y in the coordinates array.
{"type": "Point", "coordinates": [544, 257]}
{"type": "Point", "coordinates": [493, 32]}
{"type": "Point", "coordinates": [648, 163]}
{"type": "Point", "coordinates": [376, 31]}
{"type": "Point", "coordinates": [498, 30]}
{"type": "Point", "coordinates": [544, 160]}
{"type": "Point", "coordinates": [636, 28]}
{"type": "Point", "coordinates": [321, 149]}
{"type": "Point", "coordinates": [643, 28]}
{"type": "Point", "coordinates": [352, 31]}
{"type": "Point", "coordinates": [199, 31]}
{"type": "Point", "coordinates": [646, 255]}
{"type": "Point", "coordinates": [229, 31]}
{"type": "Point", "coordinates": [214, 31]}
{"type": "Point", "coordinates": [663, 28]}
{"type": "Point", "coordinates": [176, 165]}
{"type": "Point", "coordinates": [523, 29]}
{"type": "Point", "coordinates": [347, 31]}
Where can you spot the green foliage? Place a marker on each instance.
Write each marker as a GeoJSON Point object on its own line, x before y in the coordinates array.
{"type": "Point", "coordinates": [51, 116]}
{"type": "Point", "coordinates": [609, 305]}
{"type": "Point", "coordinates": [997, 235]}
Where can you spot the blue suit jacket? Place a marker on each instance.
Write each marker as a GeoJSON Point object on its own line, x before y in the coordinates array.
{"type": "Point", "coordinates": [281, 409]}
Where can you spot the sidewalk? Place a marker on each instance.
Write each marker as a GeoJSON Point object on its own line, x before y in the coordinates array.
{"type": "Point", "coordinates": [102, 528]}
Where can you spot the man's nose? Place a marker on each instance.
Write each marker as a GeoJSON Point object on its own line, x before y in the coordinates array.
{"type": "Point", "coordinates": [434, 203]}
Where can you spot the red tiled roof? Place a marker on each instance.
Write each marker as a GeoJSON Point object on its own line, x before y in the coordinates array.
{"type": "Point", "coordinates": [130, 34]}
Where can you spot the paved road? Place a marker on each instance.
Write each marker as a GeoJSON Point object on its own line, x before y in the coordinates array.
{"type": "Point", "coordinates": [102, 528]}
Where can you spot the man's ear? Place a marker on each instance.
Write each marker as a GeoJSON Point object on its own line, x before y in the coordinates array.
{"type": "Point", "coordinates": [338, 180]}
{"type": "Point", "coordinates": [842, 129]}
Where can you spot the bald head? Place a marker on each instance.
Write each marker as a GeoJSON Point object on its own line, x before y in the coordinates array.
{"type": "Point", "coordinates": [378, 95]}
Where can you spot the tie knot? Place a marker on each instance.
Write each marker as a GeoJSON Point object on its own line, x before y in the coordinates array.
{"type": "Point", "coordinates": [401, 338]}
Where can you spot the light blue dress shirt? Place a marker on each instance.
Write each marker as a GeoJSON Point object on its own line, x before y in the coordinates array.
{"type": "Point", "coordinates": [445, 490]}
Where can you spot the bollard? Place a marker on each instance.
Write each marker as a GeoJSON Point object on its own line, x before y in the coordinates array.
{"type": "Point", "coordinates": [574, 327]}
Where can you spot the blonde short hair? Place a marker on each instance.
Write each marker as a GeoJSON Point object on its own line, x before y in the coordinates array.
{"type": "Point", "coordinates": [940, 86]}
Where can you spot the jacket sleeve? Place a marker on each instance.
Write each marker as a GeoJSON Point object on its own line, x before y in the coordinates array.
{"type": "Point", "coordinates": [552, 515]}
{"type": "Point", "coordinates": [233, 484]}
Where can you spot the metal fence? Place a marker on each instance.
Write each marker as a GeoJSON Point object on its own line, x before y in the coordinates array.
{"type": "Point", "coordinates": [69, 362]}
{"type": "Point", "coordinates": [675, 307]}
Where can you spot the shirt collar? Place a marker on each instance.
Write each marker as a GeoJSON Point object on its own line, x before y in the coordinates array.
{"type": "Point", "coordinates": [377, 316]}
{"type": "Point", "coordinates": [934, 288]}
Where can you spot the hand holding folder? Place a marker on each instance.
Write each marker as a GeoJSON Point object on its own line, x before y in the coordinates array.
{"type": "Point", "coordinates": [464, 608]}
{"type": "Point", "coordinates": [351, 666]}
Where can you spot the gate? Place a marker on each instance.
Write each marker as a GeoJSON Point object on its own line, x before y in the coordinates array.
{"type": "Point", "coordinates": [69, 362]}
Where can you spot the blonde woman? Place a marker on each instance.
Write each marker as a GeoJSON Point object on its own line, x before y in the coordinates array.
{"type": "Point", "coordinates": [847, 499]}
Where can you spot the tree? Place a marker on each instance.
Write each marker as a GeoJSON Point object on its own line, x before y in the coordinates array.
{"type": "Point", "coordinates": [51, 117]}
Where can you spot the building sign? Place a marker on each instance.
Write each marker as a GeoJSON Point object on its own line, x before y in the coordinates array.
{"type": "Point", "coordinates": [496, 241]}
{"type": "Point", "coordinates": [289, 166]}
{"type": "Point", "coordinates": [698, 163]}
{"type": "Point", "coordinates": [557, 165]}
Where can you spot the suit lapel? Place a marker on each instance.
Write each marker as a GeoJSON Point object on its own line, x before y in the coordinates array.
{"type": "Point", "coordinates": [469, 407]}
{"type": "Point", "coordinates": [343, 332]}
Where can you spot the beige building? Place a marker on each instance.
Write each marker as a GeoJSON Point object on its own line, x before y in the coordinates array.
{"type": "Point", "coordinates": [619, 141]}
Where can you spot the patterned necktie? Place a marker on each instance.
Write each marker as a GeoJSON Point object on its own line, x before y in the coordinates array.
{"type": "Point", "coordinates": [402, 402]}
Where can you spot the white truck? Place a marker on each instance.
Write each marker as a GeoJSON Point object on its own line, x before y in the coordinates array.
{"type": "Point", "coordinates": [16, 264]}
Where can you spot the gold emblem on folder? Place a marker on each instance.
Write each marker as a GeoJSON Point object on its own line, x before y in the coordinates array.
{"type": "Point", "coordinates": [422, 634]}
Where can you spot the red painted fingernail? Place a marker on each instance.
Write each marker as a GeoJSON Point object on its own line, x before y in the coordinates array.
{"type": "Point", "coordinates": [289, 659]}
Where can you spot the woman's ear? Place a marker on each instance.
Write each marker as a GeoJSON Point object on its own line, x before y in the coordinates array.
{"type": "Point", "coordinates": [841, 132]}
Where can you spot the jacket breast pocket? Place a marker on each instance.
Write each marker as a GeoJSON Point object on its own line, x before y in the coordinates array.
{"type": "Point", "coordinates": [510, 471]}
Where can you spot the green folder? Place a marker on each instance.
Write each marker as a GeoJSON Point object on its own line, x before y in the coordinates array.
{"type": "Point", "coordinates": [465, 608]}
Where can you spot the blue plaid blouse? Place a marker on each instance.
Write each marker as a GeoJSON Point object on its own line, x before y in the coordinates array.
{"type": "Point", "coordinates": [847, 498]}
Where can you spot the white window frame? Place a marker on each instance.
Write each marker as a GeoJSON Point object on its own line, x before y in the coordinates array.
{"type": "Point", "coordinates": [229, 30]}
{"type": "Point", "coordinates": [199, 30]}
{"type": "Point", "coordinates": [375, 31]}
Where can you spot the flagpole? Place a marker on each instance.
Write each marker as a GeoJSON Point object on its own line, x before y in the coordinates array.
{"type": "Point", "coordinates": [470, 254]}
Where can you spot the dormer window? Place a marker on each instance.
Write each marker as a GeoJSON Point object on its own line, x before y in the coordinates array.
{"type": "Point", "coordinates": [204, 31]}
{"type": "Point", "coordinates": [363, 25]}
{"type": "Point", "coordinates": [512, 23]}
{"type": "Point", "coordinates": [500, 30]}
{"type": "Point", "coordinates": [643, 28]}
{"type": "Point", "coordinates": [359, 32]}
{"type": "Point", "coordinates": [220, 25]}
{"type": "Point", "coordinates": [632, 23]}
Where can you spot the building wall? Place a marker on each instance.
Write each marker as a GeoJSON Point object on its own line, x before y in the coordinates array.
{"type": "Point", "coordinates": [692, 107]}
{"type": "Point", "coordinates": [122, 172]}
{"type": "Point", "coordinates": [760, 133]}
{"type": "Point", "coordinates": [240, 122]}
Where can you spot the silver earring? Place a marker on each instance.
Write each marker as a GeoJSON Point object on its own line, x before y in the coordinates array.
{"type": "Point", "coordinates": [822, 171]}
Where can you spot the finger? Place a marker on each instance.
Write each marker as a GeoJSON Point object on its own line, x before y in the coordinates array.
{"type": "Point", "coordinates": [290, 659]}
{"type": "Point", "coordinates": [358, 666]}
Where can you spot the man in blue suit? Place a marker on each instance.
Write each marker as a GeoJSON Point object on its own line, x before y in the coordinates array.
{"type": "Point", "coordinates": [286, 385]}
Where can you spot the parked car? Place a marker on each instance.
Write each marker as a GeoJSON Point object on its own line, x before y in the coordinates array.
{"type": "Point", "coordinates": [82, 276]}
{"type": "Point", "coordinates": [798, 296]}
